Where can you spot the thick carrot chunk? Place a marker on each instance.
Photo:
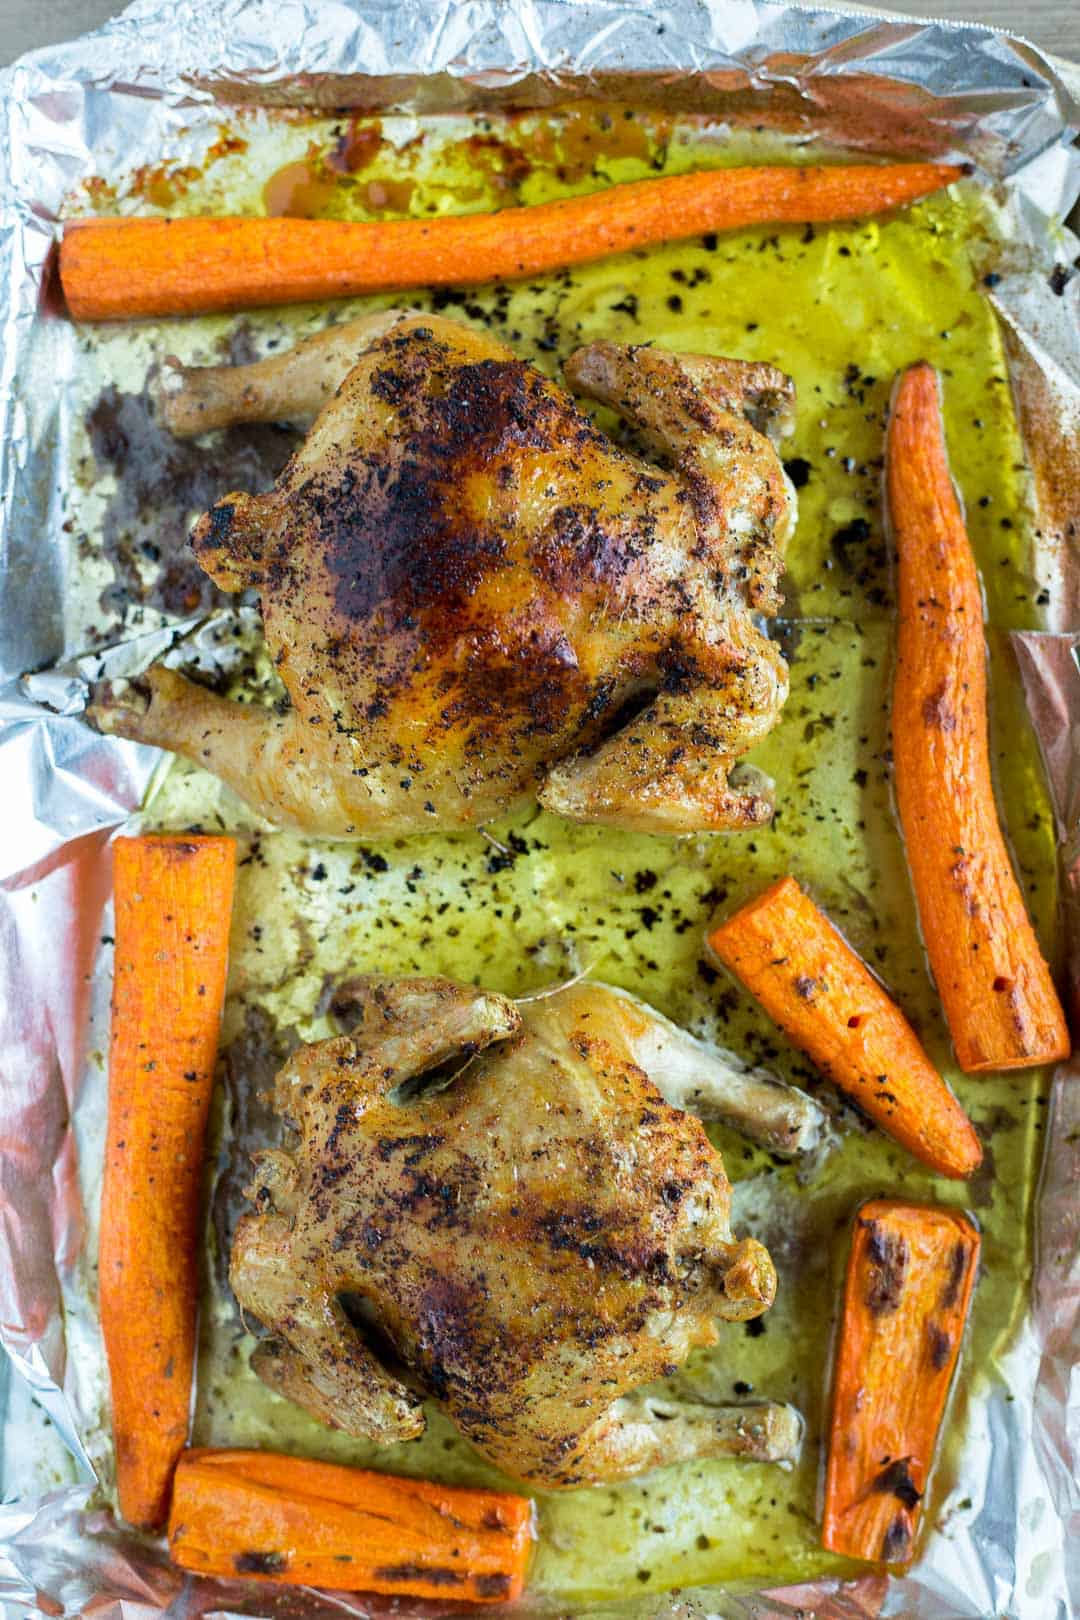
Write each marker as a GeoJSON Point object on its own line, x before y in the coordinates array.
{"type": "Point", "coordinates": [276, 1518]}
{"type": "Point", "coordinates": [828, 1003]}
{"type": "Point", "coordinates": [909, 1282]}
{"type": "Point", "coordinates": [173, 904]}
{"type": "Point", "coordinates": [999, 998]}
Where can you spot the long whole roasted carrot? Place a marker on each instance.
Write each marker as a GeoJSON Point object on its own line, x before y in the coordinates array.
{"type": "Point", "coordinates": [909, 1280]}
{"type": "Point", "coordinates": [828, 1003]}
{"type": "Point", "coordinates": [173, 900]}
{"type": "Point", "coordinates": [119, 269]}
{"type": "Point", "coordinates": [999, 998]}
{"type": "Point", "coordinates": [257, 1513]}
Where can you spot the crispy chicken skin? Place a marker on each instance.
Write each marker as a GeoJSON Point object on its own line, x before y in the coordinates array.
{"type": "Point", "coordinates": [527, 1244]}
{"type": "Point", "coordinates": [467, 588]}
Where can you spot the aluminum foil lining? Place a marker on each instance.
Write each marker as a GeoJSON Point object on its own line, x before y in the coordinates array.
{"type": "Point", "coordinates": [126, 95]}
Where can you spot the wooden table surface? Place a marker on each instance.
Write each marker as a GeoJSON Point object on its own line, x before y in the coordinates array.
{"type": "Point", "coordinates": [1052, 24]}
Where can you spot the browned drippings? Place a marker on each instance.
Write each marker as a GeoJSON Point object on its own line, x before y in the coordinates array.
{"type": "Point", "coordinates": [572, 143]}
{"type": "Point", "coordinates": [161, 484]}
{"type": "Point", "coordinates": [389, 196]}
{"type": "Point", "coordinates": [308, 187]}
{"type": "Point", "coordinates": [299, 191]}
{"type": "Point", "coordinates": [164, 184]}
{"type": "Point", "coordinates": [355, 149]}
{"type": "Point", "coordinates": [580, 135]}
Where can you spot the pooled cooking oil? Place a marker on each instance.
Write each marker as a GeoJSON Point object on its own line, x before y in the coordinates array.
{"type": "Point", "coordinates": [535, 899]}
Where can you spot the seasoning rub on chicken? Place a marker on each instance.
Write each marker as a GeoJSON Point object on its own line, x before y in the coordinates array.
{"type": "Point", "coordinates": [527, 1242]}
{"type": "Point", "coordinates": [473, 597]}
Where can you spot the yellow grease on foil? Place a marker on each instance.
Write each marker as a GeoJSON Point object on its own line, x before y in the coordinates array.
{"type": "Point", "coordinates": [841, 309]}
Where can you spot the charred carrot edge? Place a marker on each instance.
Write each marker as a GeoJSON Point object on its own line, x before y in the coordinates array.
{"type": "Point", "coordinates": [999, 998]}
{"type": "Point", "coordinates": [173, 900]}
{"type": "Point", "coordinates": [278, 1518]}
{"type": "Point", "coordinates": [909, 1281]}
{"type": "Point", "coordinates": [828, 1003]}
{"type": "Point", "coordinates": [119, 269]}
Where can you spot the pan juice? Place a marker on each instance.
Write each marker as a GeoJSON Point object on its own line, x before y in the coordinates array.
{"type": "Point", "coordinates": [534, 900]}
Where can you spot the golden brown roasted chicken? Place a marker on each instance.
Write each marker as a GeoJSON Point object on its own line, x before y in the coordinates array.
{"type": "Point", "coordinates": [473, 597]}
{"type": "Point", "coordinates": [526, 1243]}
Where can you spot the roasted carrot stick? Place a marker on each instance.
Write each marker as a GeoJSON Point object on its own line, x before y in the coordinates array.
{"type": "Point", "coordinates": [256, 1513]}
{"type": "Point", "coordinates": [118, 269]}
{"type": "Point", "coordinates": [828, 1003]}
{"type": "Point", "coordinates": [909, 1281]}
{"type": "Point", "coordinates": [999, 998]}
{"type": "Point", "coordinates": [173, 899]}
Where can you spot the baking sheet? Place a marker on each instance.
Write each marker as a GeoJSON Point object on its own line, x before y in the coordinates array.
{"type": "Point", "coordinates": [106, 105]}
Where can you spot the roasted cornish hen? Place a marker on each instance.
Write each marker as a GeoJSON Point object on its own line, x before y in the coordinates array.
{"type": "Point", "coordinates": [527, 1242]}
{"type": "Point", "coordinates": [473, 597]}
